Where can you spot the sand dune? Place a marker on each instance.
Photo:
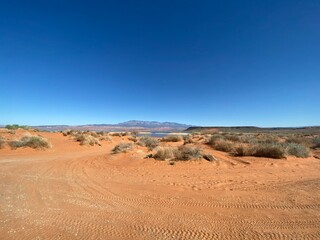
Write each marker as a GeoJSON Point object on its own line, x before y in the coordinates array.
{"type": "Point", "coordinates": [80, 192]}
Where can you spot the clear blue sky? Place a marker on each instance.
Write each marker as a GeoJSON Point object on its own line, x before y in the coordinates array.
{"type": "Point", "coordinates": [211, 62]}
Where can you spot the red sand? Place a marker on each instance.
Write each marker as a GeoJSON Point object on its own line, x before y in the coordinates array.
{"type": "Point", "coordinates": [79, 192]}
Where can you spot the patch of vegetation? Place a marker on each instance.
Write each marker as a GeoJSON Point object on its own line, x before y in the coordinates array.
{"type": "Point", "coordinates": [316, 142]}
{"type": "Point", "coordinates": [181, 153]}
{"type": "Point", "coordinates": [36, 142]}
{"type": "Point", "coordinates": [2, 142]}
{"type": "Point", "coordinates": [16, 126]}
{"type": "Point", "coordinates": [163, 153]}
{"type": "Point", "coordinates": [186, 153]}
{"type": "Point", "coordinates": [269, 150]}
{"type": "Point", "coordinates": [148, 142]}
{"type": "Point", "coordinates": [171, 138]}
{"type": "Point", "coordinates": [187, 139]}
{"type": "Point", "coordinates": [298, 150]}
{"type": "Point", "coordinates": [87, 139]}
{"type": "Point", "coordinates": [122, 147]}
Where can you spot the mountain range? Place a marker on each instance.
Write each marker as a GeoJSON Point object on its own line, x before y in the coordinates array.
{"type": "Point", "coordinates": [131, 125]}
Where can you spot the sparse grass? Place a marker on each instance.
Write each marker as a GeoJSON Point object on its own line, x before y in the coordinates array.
{"type": "Point", "coordinates": [171, 138]}
{"type": "Point", "coordinates": [36, 142]}
{"type": "Point", "coordinates": [148, 142]}
{"type": "Point", "coordinates": [298, 150]}
{"type": "Point", "coordinates": [122, 147]}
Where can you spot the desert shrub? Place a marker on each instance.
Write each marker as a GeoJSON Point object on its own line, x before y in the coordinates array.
{"type": "Point", "coordinates": [185, 153]}
{"type": "Point", "coordinates": [248, 138]}
{"type": "Point", "coordinates": [2, 142]}
{"type": "Point", "coordinates": [293, 139]}
{"type": "Point", "coordinates": [187, 139]}
{"type": "Point", "coordinates": [163, 153]}
{"type": "Point", "coordinates": [105, 137]}
{"type": "Point", "coordinates": [316, 142]}
{"type": "Point", "coordinates": [242, 150]}
{"type": "Point", "coordinates": [118, 134]}
{"type": "Point", "coordinates": [148, 142]}
{"type": "Point", "coordinates": [16, 126]}
{"type": "Point", "coordinates": [86, 139]}
{"type": "Point", "coordinates": [232, 138]}
{"type": "Point", "coordinates": [68, 132]}
{"type": "Point", "coordinates": [223, 145]}
{"type": "Point", "coordinates": [122, 147]}
{"type": "Point", "coordinates": [36, 142]}
{"type": "Point", "coordinates": [171, 138]}
{"type": "Point", "coordinates": [214, 138]}
{"type": "Point", "coordinates": [298, 150]}
{"type": "Point", "coordinates": [269, 150]}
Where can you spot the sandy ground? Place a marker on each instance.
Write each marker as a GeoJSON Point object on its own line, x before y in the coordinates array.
{"type": "Point", "coordinates": [78, 192]}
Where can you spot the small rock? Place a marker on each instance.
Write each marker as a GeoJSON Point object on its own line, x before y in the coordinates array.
{"type": "Point", "coordinates": [148, 156]}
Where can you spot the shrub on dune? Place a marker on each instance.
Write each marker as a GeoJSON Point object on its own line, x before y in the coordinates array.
{"type": "Point", "coordinates": [36, 142]}
{"type": "Point", "coordinates": [163, 153]}
{"type": "Point", "coordinates": [122, 147]}
{"type": "Point", "coordinates": [185, 153]}
{"type": "Point", "coordinates": [87, 139]}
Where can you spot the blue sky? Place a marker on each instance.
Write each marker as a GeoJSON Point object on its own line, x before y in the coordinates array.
{"type": "Point", "coordinates": [197, 62]}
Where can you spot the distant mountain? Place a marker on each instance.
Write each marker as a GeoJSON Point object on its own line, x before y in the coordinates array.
{"type": "Point", "coordinates": [153, 124]}
{"type": "Point", "coordinates": [136, 125]}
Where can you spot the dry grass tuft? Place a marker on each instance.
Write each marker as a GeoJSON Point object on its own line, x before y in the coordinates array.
{"type": "Point", "coordinates": [122, 147]}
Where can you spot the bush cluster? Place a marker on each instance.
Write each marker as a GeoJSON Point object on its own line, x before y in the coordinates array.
{"type": "Point", "coordinates": [36, 142]}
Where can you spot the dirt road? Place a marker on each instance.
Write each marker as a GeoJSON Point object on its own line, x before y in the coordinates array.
{"type": "Point", "coordinates": [76, 192]}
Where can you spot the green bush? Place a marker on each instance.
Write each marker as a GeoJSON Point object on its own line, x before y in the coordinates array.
{"type": "Point", "coordinates": [16, 126]}
{"type": "Point", "coordinates": [122, 147]}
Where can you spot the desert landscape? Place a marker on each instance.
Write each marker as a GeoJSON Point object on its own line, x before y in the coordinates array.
{"type": "Point", "coordinates": [204, 185]}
